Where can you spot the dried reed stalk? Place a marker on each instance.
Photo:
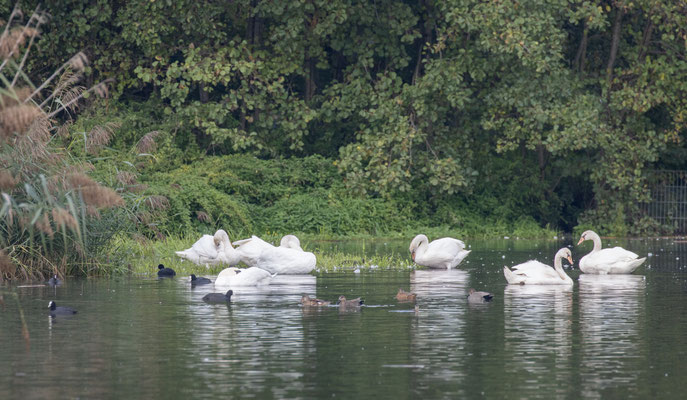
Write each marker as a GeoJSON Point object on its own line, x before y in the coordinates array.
{"type": "Point", "coordinates": [157, 202]}
{"type": "Point", "coordinates": [7, 181]}
{"type": "Point", "coordinates": [16, 119]}
{"type": "Point", "coordinates": [64, 218]}
{"type": "Point", "coordinates": [7, 267]}
{"type": "Point", "coordinates": [147, 143]}
{"type": "Point", "coordinates": [101, 197]}
{"type": "Point", "coordinates": [126, 177]}
{"type": "Point", "coordinates": [98, 137]}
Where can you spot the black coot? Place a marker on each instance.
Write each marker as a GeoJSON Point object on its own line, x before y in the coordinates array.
{"type": "Point", "coordinates": [218, 297]}
{"type": "Point", "coordinates": [55, 310]}
{"type": "Point", "coordinates": [199, 280]}
{"type": "Point", "coordinates": [165, 272]}
{"type": "Point", "coordinates": [54, 281]}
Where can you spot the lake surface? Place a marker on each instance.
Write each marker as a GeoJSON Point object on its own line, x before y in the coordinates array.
{"type": "Point", "coordinates": [139, 337]}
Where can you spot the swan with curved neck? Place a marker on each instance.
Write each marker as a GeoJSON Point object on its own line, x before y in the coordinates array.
{"type": "Point", "coordinates": [536, 273]}
{"type": "Point", "coordinates": [614, 260]}
{"type": "Point", "coordinates": [290, 242]}
{"type": "Point", "coordinates": [440, 253]}
{"type": "Point", "coordinates": [227, 253]}
{"type": "Point", "coordinates": [211, 250]}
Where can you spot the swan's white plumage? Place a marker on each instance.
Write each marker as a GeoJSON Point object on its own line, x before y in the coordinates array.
{"type": "Point", "coordinates": [211, 250]}
{"type": "Point", "coordinates": [252, 276]}
{"type": "Point", "coordinates": [440, 253]}
{"type": "Point", "coordinates": [290, 242]}
{"type": "Point", "coordinates": [282, 260]}
{"type": "Point", "coordinates": [250, 249]}
{"type": "Point", "coordinates": [288, 258]}
{"type": "Point", "coordinates": [614, 260]}
{"type": "Point", "coordinates": [534, 272]}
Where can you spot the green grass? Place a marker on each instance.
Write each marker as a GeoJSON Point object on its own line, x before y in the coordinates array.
{"type": "Point", "coordinates": [348, 263]}
{"type": "Point", "coordinates": [141, 257]}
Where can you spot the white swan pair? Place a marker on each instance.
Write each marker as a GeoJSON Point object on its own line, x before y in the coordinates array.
{"type": "Point", "coordinates": [441, 253]}
{"type": "Point", "coordinates": [599, 261]}
{"type": "Point", "coordinates": [288, 258]}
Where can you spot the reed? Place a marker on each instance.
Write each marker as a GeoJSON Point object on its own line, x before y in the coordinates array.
{"type": "Point", "coordinates": [49, 206]}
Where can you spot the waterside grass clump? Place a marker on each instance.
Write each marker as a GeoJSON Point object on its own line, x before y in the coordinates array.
{"type": "Point", "coordinates": [48, 204]}
{"type": "Point", "coordinates": [140, 256]}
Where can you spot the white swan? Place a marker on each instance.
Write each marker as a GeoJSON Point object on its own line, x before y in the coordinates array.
{"type": "Point", "coordinates": [614, 260]}
{"type": "Point", "coordinates": [211, 250]}
{"type": "Point", "coordinates": [282, 260]}
{"type": "Point", "coordinates": [288, 258]}
{"type": "Point", "coordinates": [441, 253]}
{"type": "Point", "coordinates": [252, 276]}
{"type": "Point", "coordinates": [535, 273]}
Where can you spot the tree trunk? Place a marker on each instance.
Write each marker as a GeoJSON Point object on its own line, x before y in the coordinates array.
{"type": "Point", "coordinates": [202, 93]}
{"type": "Point", "coordinates": [615, 40]}
{"type": "Point", "coordinates": [310, 84]}
{"type": "Point", "coordinates": [580, 57]}
{"type": "Point", "coordinates": [646, 38]}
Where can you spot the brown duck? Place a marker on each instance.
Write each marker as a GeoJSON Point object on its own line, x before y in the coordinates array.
{"type": "Point", "coordinates": [306, 301]}
{"type": "Point", "coordinates": [349, 304]}
{"type": "Point", "coordinates": [402, 295]}
{"type": "Point", "coordinates": [479, 297]}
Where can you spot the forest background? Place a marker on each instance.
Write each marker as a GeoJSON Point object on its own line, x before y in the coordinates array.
{"type": "Point", "coordinates": [334, 118]}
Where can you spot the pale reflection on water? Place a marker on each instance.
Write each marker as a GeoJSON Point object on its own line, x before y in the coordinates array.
{"type": "Point", "coordinates": [605, 337]}
{"type": "Point", "coordinates": [612, 313]}
{"type": "Point", "coordinates": [538, 334]}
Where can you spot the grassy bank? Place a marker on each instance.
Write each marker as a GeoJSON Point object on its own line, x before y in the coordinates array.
{"type": "Point", "coordinates": [141, 257]}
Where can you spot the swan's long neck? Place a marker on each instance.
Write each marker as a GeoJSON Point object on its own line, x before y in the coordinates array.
{"type": "Point", "coordinates": [558, 266]}
{"type": "Point", "coordinates": [597, 242]}
{"type": "Point", "coordinates": [421, 247]}
{"type": "Point", "coordinates": [225, 243]}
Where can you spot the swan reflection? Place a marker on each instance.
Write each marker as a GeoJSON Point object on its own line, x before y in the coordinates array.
{"type": "Point", "coordinates": [259, 320]}
{"type": "Point", "coordinates": [611, 315]}
{"type": "Point", "coordinates": [438, 283]}
{"type": "Point", "coordinates": [538, 333]}
{"type": "Point", "coordinates": [440, 325]}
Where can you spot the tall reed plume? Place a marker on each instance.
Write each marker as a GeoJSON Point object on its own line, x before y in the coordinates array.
{"type": "Point", "coordinates": [48, 203]}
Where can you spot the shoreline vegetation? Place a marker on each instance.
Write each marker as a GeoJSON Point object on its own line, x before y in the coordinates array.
{"type": "Point", "coordinates": [477, 121]}
{"type": "Point", "coordinates": [129, 256]}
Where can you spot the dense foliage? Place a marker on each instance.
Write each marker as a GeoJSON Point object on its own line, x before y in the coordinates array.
{"type": "Point", "coordinates": [359, 116]}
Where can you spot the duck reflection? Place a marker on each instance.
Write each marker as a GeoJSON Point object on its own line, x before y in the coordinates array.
{"type": "Point", "coordinates": [611, 319]}
{"type": "Point", "coordinates": [538, 334]}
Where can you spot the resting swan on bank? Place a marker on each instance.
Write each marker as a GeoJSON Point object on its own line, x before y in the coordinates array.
{"type": "Point", "coordinates": [211, 250]}
{"type": "Point", "coordinates": [287, 259]}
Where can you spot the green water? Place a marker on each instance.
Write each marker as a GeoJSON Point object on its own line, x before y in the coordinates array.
{"type": "Point", "coordinates": [139, 337]}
